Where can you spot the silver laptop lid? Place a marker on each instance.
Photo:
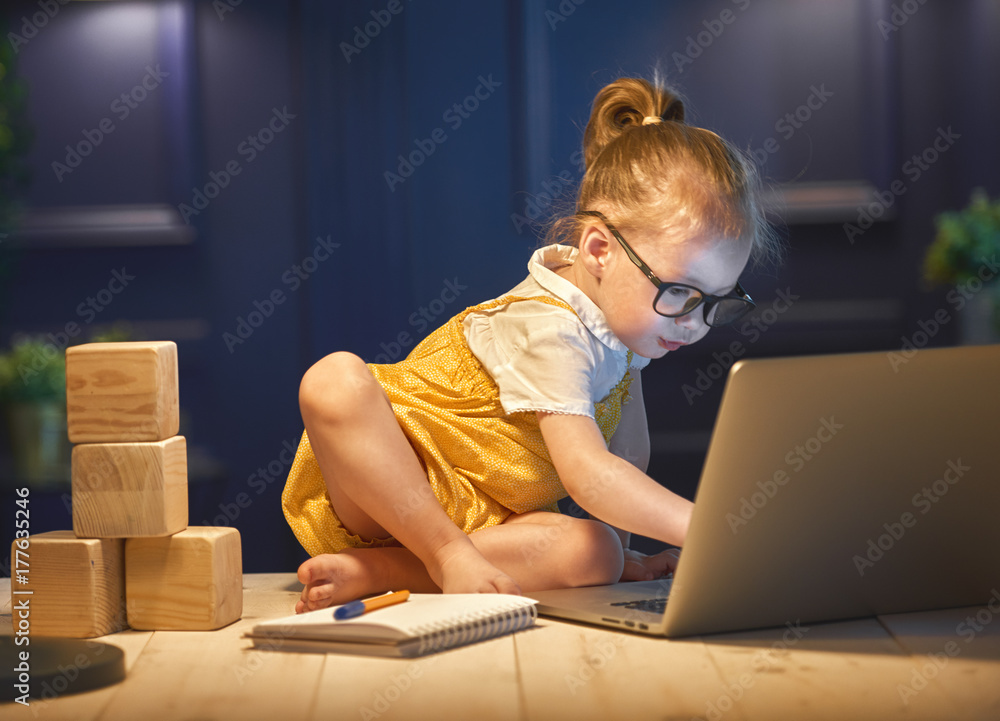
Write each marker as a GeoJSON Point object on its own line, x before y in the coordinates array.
{"type": "Point", "coordinates": [843, 486]}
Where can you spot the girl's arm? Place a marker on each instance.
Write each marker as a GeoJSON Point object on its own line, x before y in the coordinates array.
{"type": "Point", "coordinates": [607, 486]}
{"type": "Point", "coordinates": [631, 443]}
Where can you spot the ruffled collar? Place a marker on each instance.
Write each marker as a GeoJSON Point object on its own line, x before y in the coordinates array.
{"type": "Point", "coordinates": [541, 268]}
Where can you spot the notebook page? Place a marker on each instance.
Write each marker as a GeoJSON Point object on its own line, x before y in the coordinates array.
{"type": "Point", "coordinates": [422, 613]}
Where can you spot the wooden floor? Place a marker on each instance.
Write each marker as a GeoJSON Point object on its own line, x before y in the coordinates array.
{"type": "Point", "coordinates": [915, 666]}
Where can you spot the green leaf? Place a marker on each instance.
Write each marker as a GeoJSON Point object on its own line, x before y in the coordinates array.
{"type": "Point", "coordinates": [964, 241]}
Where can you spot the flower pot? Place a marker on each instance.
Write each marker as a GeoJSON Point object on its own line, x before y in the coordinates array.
{"type": "Point", "coordinates": [977, 319]}
{"type": "Point", "coordinates": [39, 444]}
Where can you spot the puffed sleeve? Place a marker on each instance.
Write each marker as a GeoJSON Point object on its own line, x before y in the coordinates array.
{"type": "Point", "coordinates": [541, 358]}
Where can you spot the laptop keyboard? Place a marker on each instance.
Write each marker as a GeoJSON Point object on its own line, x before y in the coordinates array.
{"type": "Point", "coordinates": [652, 605]}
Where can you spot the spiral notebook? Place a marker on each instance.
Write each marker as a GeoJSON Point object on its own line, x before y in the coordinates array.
{"type": "Point", "coordinates": [426, 623]}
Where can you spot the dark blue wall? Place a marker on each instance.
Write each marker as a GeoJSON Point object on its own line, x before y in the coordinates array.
{"type": "Point", "coordinates": [315, 246]}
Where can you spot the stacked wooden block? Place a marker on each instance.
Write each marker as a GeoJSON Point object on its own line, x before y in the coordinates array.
{"type": "Point", "coordinates": [131, 558]}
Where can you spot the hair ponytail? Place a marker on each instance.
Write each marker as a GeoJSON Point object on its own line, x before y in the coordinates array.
{"type": "Point", "coordinates": [667, 175]}
{"type": "Point", "coordinates": [623, 105]}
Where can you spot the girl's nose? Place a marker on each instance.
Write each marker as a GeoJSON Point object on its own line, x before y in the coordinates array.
{"type": "Point", "coordinates": [693, 321]}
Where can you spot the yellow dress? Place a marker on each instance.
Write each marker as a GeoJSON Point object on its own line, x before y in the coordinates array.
{"type": "Point", "coordinates": [482, 464]}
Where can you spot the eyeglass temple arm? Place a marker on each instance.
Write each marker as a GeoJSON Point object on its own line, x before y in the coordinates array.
{"type": "Point", "coordinates": [639, 262]}
{"type": "Point", "coordinates": [625, 246]}
{"type": "Point", "coordinates": [746, 296]}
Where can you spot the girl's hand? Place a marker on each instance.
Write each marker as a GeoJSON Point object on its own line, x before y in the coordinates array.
{"type": "Point", "coordinates": [640, 567]}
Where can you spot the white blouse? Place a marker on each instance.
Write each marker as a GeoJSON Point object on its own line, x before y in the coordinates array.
{"type": "Point", "coordinates": [543, 357]}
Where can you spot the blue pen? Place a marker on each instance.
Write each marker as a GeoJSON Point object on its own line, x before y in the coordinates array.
{"type": "Point", "coordinates": [356, 608]}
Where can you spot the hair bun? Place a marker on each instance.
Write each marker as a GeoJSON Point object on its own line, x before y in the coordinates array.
{"type": "Point", "coordinates": [627, 103]}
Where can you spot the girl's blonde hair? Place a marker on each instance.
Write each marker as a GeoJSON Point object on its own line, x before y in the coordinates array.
{"type": "Point", "coordinates": [646, 168]}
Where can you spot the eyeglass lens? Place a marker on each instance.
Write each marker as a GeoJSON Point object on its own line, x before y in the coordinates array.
{"type": "Point", "coordinates": [679, 300]}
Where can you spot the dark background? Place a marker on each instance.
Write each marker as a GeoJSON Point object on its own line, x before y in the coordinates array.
{"type": "Point", "coordinates": [336, 92]}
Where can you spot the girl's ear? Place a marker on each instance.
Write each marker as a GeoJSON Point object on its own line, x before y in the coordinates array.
{"type": "Point", "coordinates": [595, 249]}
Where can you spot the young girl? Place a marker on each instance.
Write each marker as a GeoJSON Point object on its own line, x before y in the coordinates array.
{"type": "Point", "coordinates": [442, 471]}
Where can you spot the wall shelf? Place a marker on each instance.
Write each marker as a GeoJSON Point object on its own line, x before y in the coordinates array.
{"type": "Point", "coordinates": [102, 226]}
{"type": "Point", "coordinates": [825, 202]}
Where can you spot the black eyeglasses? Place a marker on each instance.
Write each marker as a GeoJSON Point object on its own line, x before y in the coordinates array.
{"type": "Point", "coordinates": [676, 299]}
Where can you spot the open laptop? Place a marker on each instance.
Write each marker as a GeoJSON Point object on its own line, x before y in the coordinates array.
{"type": "Point", "coordinates": [835, 487]}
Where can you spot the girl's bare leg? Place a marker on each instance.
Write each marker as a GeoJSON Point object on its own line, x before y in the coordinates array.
{"type": "Point", "coordinates": [539, 550]}
{"type": "Point", "coordinates": [372, 473]}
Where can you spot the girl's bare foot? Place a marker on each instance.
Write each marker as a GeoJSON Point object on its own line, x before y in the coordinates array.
{"type": "Point", "coordinates": [463, 569]}
{"type": "Point", "coordinates": [332, 579]}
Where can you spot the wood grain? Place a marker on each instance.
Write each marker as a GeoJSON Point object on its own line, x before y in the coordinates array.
{"type": "Point", "coordinates": [851, 670]}
{"type": "Point", "coordinates": [122, 392]}
{"type": "Point", "coordinates": [125, 490]}
{"type": "Point", "coordinates": [76, 585]}
{"type": "Point", "coordinates": [190, 581]}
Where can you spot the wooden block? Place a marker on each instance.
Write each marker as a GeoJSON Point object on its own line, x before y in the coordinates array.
{"type": "Point", "coordinates": [77, 584]}
{"type": "Point", "coordinates": [130, 489]}
{"type": "Point", "coordinates": [191, 581]}
{"type": "Point", "coordinates": [122, 392]}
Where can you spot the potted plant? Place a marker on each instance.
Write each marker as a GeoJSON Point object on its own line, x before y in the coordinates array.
{"type": "Point", "coordinates": [33, 399]}
{"type": "Point", "coordinates": [33, 404]}
{"type": "Point", "coordinates": [964, 255]}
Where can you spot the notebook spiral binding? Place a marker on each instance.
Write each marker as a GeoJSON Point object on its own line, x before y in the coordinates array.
{"type": "Point", "coordinates": [474, 627]}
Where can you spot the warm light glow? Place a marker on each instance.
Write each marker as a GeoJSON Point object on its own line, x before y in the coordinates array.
{"type": "Point", "coordinates": [110, 28]}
